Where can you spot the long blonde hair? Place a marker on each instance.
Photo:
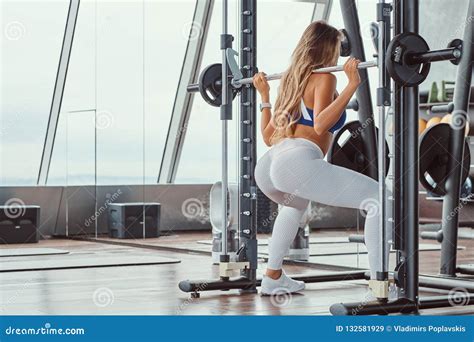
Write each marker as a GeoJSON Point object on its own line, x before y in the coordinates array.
{"type": "Point", "coordinates": [318, 47]}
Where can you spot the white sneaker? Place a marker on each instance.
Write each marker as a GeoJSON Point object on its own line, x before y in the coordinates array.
{"type": "Point", "coordinates": [282, 285]}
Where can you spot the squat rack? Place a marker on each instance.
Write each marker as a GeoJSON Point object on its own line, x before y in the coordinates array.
{"type": "Point", "coordinates": [406, 166]}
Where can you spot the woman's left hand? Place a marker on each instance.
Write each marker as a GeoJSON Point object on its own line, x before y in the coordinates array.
{"type": "Point", "coordinates": [261, 84]}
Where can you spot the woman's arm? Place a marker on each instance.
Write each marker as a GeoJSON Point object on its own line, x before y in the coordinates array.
{"type": "Point", "coordinates": [266, 127]}
{"type": "Point", "coordinates": [327, 110]}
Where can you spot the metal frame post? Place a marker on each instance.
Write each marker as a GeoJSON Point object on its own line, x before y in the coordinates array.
{"type": "Point", "coordinates": [248, 141]}
{"type": "Point", "coordinates": [459, 119]}
{"type": "Point", "coordinates": [365, 112]}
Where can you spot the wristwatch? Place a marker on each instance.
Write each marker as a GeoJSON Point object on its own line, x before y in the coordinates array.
{"type": "Point", "coordinates": [265, 105]}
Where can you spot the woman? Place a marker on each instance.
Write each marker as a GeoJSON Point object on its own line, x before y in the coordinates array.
{"type": "Point", "coordinates": [293, 172]}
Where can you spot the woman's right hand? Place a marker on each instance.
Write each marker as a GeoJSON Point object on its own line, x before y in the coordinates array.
{"type": "Point", "coordinates": [261, 84]}
{"type": "Point", "coordinates": [352, 71]}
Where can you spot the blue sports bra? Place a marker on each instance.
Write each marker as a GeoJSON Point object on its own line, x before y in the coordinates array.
{"type": "Point", "coordinates": [307, 118]}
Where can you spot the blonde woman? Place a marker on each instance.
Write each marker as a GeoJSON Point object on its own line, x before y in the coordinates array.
{"type": "Point", "coordinates": [306, 113]}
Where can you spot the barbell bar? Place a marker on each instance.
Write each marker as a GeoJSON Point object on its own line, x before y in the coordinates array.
{"type": "Point", "coordinates": [193, 88]}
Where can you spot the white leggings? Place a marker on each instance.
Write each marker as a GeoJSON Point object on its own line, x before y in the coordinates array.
{"type": "Point", "coordinates": [293, 172]}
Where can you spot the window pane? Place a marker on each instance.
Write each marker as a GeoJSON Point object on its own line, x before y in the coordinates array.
{"type": "Point", "coordinates": [32, 33]}
{"type": "Point", "coordinates": [201, 157]}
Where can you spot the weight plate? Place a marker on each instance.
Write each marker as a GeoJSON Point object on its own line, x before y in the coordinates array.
{"type": "Point", "coordinates": [398, 50]}
{"type": "Point", "coordinates": [434, 158]}
{"type": "Point", "coordinates": [209, 88]}
{"type": "Point", "coordinates": [455, 43]}
{"type": "Point", "coordinates": [347, 149]}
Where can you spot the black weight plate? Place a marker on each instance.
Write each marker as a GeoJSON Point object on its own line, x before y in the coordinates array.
{"type": "Point", "coordinates": [455, 43]}
{"type": "Point", "coordinates": [434, 156]}
{"type": "Point", "coordinates": [349, 152]}
{"type": "Point", "coordinates": [208, 84]}
{"type": "Point", "coordinates": [396, 60]}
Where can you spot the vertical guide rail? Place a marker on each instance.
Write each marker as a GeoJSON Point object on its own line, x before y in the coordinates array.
{"type": "Point", "coordinates": [226, 114]}
{"type": "Point", "coordinates": [383, 99]}
{"type": "Point", "coordinates": [365, 112]}
{"type": "Point", "coordinates": [248, 141]}
{"type": "Point", "coordinates": [453, 183]}
{"type": "Point", "coordinates": [406, 133]}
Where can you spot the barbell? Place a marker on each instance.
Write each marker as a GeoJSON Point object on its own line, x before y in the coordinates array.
{"type": "Point", "coordinates": [210, 81]}
{"type": "Point", "coordinates": [408, 60]}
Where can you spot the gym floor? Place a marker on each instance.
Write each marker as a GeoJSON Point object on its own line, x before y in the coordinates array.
{"type": "Point", "coordinates": [153, 290]}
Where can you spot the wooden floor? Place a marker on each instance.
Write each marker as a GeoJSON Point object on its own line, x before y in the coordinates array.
{"type": "Point", "coordinates": [152, 290]}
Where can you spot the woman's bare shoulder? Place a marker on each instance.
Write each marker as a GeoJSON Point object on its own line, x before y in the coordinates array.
{"type": "Point", "coordinates": [323, 79]}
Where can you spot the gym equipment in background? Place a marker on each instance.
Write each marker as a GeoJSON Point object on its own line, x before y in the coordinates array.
{"type": "Point", "coordinates": [134, 220]}
{"type": "Point", "coordinates": [434, 158]}
{"type": "Point", "coordinates": [232, 225]}
{"type": "Point", "coordinates": [348, 149]}
{"type": "Point", "coordinates": [247, 253]}
{"type": "Point", "coordinates": [409, 58]}
{"type": "Point", "coordinates": [19, 223]}
{"type": "Point", "coordinates": [210, 81]}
